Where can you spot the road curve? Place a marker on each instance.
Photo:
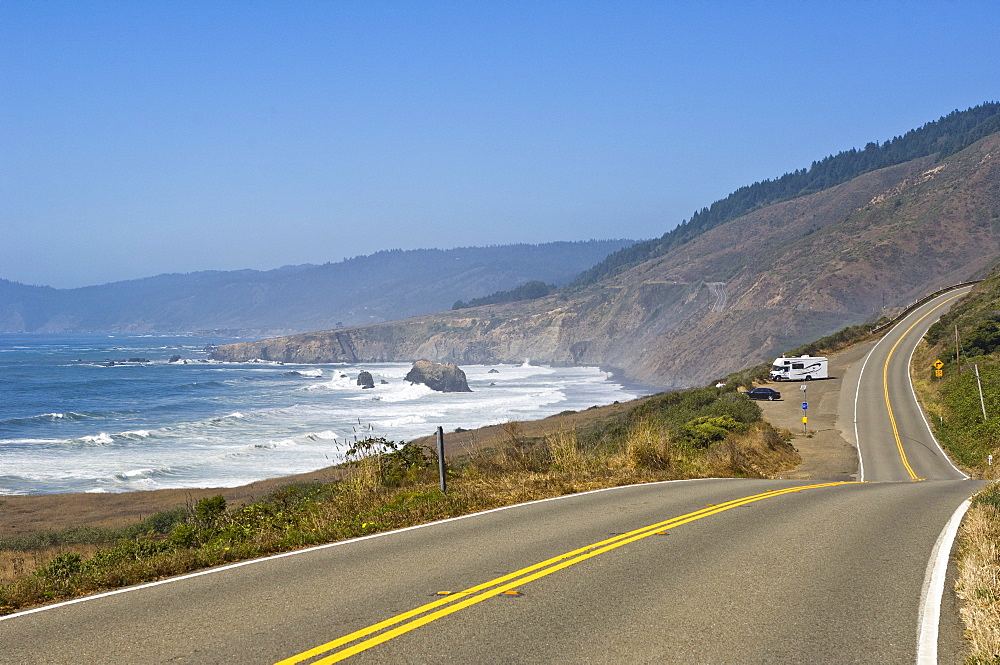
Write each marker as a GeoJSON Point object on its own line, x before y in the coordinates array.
{"type": "Point", "coordinates": [894, 440]}
{"type": "Point", "coordinates": [828, 574]}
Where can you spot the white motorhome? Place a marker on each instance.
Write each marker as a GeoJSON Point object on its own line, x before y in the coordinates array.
{"type": "Point", "coordinates": [803, 368]}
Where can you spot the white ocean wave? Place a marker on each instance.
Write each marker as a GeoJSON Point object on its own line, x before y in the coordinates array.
{"type": "Point", "coordinates": [339, 381]}
{"type": "Point", "coordinates": [307, 373]}
{"type": "Point", "coordinates": [326, 435]}
{"type": "Point", "coordinates": [402, 420]}
{"type": "Point", "coordinates": [271, 445]}
{"type": "Point", "coordinates": [103, 439]}
{"type": "Point", "coordinates": [29, 442]}
{"type": "Point", "coordinates": [135, 474]}
{"type": "Point", "coordinates": [405, 392]}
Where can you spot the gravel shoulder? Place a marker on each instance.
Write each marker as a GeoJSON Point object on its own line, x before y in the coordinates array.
{"type": "Point", "coordinates": [827, 446]}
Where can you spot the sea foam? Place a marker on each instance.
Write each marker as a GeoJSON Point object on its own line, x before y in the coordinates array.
{"type": "Point", "coordinates": [210, 424]}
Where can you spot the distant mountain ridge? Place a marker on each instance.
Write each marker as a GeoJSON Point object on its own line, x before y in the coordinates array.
{"type": "Point", "coordinates": [387, 285]}
{"type": "Point", "coordinates": [733, 295]}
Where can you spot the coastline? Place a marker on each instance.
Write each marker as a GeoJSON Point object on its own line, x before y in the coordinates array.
{"type": "Point", "coordinates": [193, 425]}
{"type": "Point", "coordinates": [825, 452]}
{"type": "Point", "coordinates": [619, 377]}
{"type": "Point", "coordinates": [21, 514]}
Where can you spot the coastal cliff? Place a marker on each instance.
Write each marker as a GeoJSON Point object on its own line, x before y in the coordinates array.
{"type": "Point", "coordinates": [739, 294]}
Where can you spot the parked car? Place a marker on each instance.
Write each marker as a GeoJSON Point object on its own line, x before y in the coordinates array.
{"type": "Point", "coordinates": [763, 393]}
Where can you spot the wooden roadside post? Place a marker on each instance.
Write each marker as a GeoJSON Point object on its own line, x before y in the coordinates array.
{"type": "Point", "coordinates": [440, 442]}
{"type": "Point", "coordinates": [958, 348]}
{"type": "Point", "coordinates": [982, 402]}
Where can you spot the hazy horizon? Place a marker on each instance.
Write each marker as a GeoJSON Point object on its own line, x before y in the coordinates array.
{"type": "Point", "coordinates": [172, 137]}
{"type": "Point", "coordinates": [292, 266]}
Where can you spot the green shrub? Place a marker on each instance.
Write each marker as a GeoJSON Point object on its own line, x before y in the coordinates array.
{"type": "Point", "coordinates": [158, 523]}
{"type": "Point", "coordinates": [126, 551]}
{"type": "Point", "coordinates": [183, 535]}
{"type": "Point", "coordinates": [62, 567]}
{"type": "Point", "coordinates": [210, 509]}
{"type": "Point", "coordinates": [397, 462]}
{"type": "Point", "coordinates": [706, 430]}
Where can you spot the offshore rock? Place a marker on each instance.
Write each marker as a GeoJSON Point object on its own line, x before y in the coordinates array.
{"type": "Point", "coordinates": [443, 377]}
{"type": "Point", "coordinates": [365, 380]}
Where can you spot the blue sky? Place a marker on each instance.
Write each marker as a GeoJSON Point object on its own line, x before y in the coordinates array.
{"type": "Point", "coordinates": [145, 137]}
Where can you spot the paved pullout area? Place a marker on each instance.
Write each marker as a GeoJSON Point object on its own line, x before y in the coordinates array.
{"type": "Point", "coordinates": [827, 445]}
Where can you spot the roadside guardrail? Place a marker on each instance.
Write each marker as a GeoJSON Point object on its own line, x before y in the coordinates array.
{"type": "Point", "coordinates": [918, 303]}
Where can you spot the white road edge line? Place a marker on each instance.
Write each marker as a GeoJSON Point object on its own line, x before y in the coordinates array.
{"type": "Point", "coordinates": [240, 564]}
{"type": "Point", "coordinates": [933, 588]}
{"type": "Point", "coordinates": [857, 391]}
{"type": "Point", "coordinates": [920, 408]}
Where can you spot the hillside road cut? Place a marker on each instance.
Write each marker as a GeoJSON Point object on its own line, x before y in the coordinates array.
{"type": "Point", "coordinates": [703, 571]}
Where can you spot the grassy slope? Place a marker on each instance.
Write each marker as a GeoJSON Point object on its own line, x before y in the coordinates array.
{"type": "Point", "coordinates": [952, 402]}
{"type": "Point", "coordinates": [694, 433]}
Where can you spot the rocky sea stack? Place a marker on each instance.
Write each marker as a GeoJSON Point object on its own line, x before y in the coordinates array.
{"type": "Point", "coordinates": [443, 377]}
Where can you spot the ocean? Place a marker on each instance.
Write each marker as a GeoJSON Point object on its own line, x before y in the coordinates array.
{"type": "Point", "coordinates": [116, 413]}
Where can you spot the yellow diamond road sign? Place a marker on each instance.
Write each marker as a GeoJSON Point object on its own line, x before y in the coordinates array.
{"type": "Point", "coordinates": [938, 364]}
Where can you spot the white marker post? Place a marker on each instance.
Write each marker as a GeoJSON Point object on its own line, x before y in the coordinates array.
{"type": "Point", "coordinates": [805, 405]}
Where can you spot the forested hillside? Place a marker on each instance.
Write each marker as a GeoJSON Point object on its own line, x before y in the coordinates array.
{"type": "Point", "coordinates": [527, 291]}
{"type": "Point", "coordinates": [940, 138]}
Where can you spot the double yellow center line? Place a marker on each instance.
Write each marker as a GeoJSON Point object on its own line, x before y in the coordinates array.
{"type": "Point", "coordinates": [885, 386]}
{"type": "Point", "coordinates": [366, 638]}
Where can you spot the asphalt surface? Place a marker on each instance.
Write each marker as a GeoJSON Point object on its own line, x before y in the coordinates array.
{"type": "Point", "coordinates": [909, 452]}
{"type": "Point", "coordinates": [671, 572]}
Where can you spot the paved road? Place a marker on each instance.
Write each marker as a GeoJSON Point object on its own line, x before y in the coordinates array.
{"type": "Point", "coordinates": [710, 571]}
{"type": "Point", "coordinates": [894, 439]}
{"type": "Point", "coordinates": [831, 574]}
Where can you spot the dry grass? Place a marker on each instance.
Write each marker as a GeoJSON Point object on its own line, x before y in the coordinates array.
{"type": "Point", "coordinates": [391, 488]}
{"type": "Point", "coordinates": [567, 455]}
{"type": "Point", "coordinates": [17, 564]}
{"type": "Point", "coordinates": [978, 583]}
{"type": "Point", "coordinates": [646, 446]}
{"type": "Point", "coordinates": [760, 453]}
